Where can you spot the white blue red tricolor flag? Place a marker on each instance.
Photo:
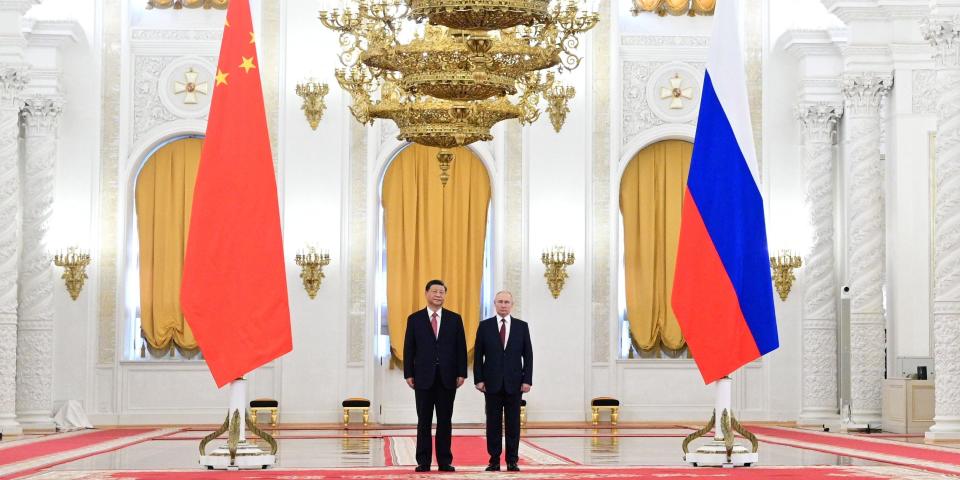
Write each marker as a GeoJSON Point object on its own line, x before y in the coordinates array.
{"type": "Point", "coordinates": [722, 292]}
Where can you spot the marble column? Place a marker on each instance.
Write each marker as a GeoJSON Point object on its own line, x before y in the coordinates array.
{"type": "Point", "coordinates": [819, 320]}
{"type": "Point", "coordinates": [944, 35]}
{"type": "Point", "coordinates": [866, 245]}
{"type": "Point", "coordinates": [12, 81]}
{"type": "Point", "coordinates": [40, 116]}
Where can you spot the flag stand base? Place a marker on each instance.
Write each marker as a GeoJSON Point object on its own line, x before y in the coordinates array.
{"type": "Point", "coordinates": [238, 453]}
{"type": "Point", "coordinates": [723, 451]}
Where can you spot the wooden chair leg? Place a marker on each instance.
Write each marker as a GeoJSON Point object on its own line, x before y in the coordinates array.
{"type": "Point", "coordinates": [346, 417]}
{"type": "Point", "coordinates": [596, 415]}
{"type": "Point", "coordinates": [366, 416]}
{"type": "Point", "coordinates": [614, 415]}
{"type": "Point", "coordinates": [274, 417]}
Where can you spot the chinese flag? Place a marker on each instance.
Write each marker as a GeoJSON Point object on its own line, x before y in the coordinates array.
{"type": "Point", "coordinates": [234, 291]}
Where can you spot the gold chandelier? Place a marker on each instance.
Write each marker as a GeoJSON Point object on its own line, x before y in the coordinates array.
{"type": "Point", "coordinates": [473, 64]}
{"type": "Point", "coordinates": [674, 7]}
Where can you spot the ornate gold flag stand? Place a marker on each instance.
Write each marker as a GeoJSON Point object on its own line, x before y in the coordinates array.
{"type": "Point", "coordinates": [238, 453]}
{"type": "Point", "coordinates": [723, 451]}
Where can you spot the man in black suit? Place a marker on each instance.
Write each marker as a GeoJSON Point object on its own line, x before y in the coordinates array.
{"type": "Point", "coordinates": [503, 371]}
{"type": "Point", "coordinates": [435, 365]}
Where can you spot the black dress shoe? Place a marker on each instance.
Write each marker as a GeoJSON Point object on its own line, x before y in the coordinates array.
{"type": "Point", "coordinates": [493, 467]}
{"type": "Point", "coordinates": [447, 468]}
{"type": "Point", "coordinates": [512, 467]}
{"type": "Point", "coordinates": [422, 468]}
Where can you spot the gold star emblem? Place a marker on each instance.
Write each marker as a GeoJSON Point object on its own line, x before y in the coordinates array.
{"type": "Point", "coordinates": [253, 39]}
{"type": "Point", "coordinates": [247, 64]}
{"type": "Point", "coordinates": [221, 77]}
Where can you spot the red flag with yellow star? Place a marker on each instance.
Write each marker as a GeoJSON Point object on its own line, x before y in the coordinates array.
{"type": "Point", "coordinates": [234, 290]}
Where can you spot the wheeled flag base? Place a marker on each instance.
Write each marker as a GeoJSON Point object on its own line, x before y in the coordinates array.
{"type": "Point", "coordinates": [723, 451]}
{"type": "Point", "coordinates": [238, 454]}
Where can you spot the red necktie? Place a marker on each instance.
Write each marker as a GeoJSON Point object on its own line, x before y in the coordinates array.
{"type": "Point", "coordinates": [433, 321]}
{"type": "Point", "coordinates": [503, 333]}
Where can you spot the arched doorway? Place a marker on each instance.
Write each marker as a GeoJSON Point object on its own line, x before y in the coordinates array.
{"type": "Point", "coordinates": [429, 231]}
{"type": "Point", "coordinates": [651, 198]}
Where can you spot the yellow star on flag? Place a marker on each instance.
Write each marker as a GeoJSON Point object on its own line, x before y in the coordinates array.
{"type": "Point", "coordinates": [221, 77]}
{"type": "Point", "coordinates": [247, 64]}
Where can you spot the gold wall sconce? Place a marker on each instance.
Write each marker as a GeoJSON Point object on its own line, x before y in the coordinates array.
{"type": "Point", "coordinates": [311, 269]}
{"type": "Point", "coordinates": [556, 260]}
{"type": "Point", "coordinates": [557, 99]}
{"type": "Point", "coordinates": [312, 94]}
{"type": "Point", "coordinates": [783, 265]}
{"type": "Point", "coordinates": [74, 263]}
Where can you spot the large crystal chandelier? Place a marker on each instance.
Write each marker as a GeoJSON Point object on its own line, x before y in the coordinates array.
{"type": "Point", "coordinates": [446, 71]}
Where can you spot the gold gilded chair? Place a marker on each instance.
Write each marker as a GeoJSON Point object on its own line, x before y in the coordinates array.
{"type": "Point", "coordinates": [356, 403]}
{"type": "Point", "coordinates": [605, 403]}
{"type": "Point", "coordinates": [266, 405]}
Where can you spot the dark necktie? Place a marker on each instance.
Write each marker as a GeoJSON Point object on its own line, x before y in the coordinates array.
{"type": "Point", "coordinates": [503, 333]}
{"type": "Point", "coordinates": [433, 321]}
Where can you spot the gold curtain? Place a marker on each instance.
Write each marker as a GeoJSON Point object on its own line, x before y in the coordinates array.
{"type": "Point", "coordinates": [651, 197]}
{"type": "Point", "coordinates": [434, 232]}
{"type": "Point", "coordinates": [164, 196]}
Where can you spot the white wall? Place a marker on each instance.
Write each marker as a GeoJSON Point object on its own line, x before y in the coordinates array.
{"type": "Point", "coordinates": [316, 187]}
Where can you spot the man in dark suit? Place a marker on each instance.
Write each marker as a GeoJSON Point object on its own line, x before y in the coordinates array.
{"type": "Point", "coordinates": [503, 371]}
{"type": "Point", "coordinates": [435, 365]}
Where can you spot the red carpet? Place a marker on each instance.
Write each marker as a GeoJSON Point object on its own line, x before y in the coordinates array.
{"type": "Point", "coordinates": [17, 460]}
{"type": "Point", "coordinates": [56, 444]}
{"type": "Point", "coordinates": [540, 473]}
{"type": "Point", "coordinates": [883, 447]}
{"type": "Point", "coordinates": [467, 451]}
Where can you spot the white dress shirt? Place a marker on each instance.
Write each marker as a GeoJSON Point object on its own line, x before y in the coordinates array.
{"type": "Point", "coordinates": [507, 325]}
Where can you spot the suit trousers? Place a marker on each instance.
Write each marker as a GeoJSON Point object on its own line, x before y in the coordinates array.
{"type": "Point", "coordinates": [440, 398]}
{"type": "Point", "coordinates": [499, 405]}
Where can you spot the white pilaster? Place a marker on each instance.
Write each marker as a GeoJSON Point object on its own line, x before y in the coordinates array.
{"type": "Point", "coordinates": [866, 245]}
{"type": "Point", "coordinates": [819, 316]}
{"type": "Point", "coordinates": [944, 35]}
{"type": "Point", "coordinates": [40, 117]}
{"type": "Point", "coordinates": [12, 80]}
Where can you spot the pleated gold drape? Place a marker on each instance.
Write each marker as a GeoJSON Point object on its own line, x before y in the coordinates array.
{"type": "Point", "coordinates": [432, 232]}
{"type": "Point", "coordinates": [651, 198]}
{"type": "Point", "coordinates": [164, 197]}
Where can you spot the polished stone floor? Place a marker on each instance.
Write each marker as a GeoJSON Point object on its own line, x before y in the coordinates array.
{"type": "Point", "coordinates": [317, 448]}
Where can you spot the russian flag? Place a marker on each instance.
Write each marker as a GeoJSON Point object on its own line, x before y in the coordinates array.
{"type": "Point", "coordinates": [722, 291]}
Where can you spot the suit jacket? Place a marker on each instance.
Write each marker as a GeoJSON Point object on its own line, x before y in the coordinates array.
{"type": "Point", "coordinates": [497, 366]}
{"type": "Point", "coordinates": [425, 355]}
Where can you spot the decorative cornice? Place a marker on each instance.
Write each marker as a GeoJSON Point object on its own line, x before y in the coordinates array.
{"type": "Point", "coordinates": [52, 33]}
{"type": "Point", "coordinates": [805, 43]}
{"type": "Point", "coordinates": [819, 121]}
{"type": "Point", "coordinates": [850, 11]}
{"type": "Point", "coordinates": [944, 35]}
{"type": "Point", "coordinates": [863, 92]}
{"type": "Point", "coordinates": [20, 6]}
{"type": "Point", "coordinates": [41, 115]}
{"type": "Point", "coordinates": [665, 41]}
